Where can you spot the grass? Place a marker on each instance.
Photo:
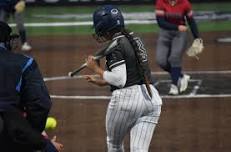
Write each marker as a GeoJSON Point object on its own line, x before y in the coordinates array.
{"type": "Point", "coordinates": [32, 13]}
{"type": "Point", "coordinates": [218, 6]}
{"type": "Point", "coordinates": [86, 30]}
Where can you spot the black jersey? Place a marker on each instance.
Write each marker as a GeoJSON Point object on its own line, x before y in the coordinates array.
{"type": "Point", "coordinates": [124, 53]}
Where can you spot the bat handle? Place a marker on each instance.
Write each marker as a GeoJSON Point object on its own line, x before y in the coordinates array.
{"type": "Point", "coordinates": [71, 74]}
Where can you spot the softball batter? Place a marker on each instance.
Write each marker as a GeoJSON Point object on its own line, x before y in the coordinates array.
{"type": "Point", "coordinates": [171, 17]}
{"type": "Point", "coordinates": [132, 108]}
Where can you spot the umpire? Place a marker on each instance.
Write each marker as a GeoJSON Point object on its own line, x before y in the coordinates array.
{"type": "Point", "coordinates": [22, 91]}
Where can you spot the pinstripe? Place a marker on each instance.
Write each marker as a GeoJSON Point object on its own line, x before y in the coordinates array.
{"type": "Point", "coordinates": [149, 127]}
{"type": "Point", "coordinates": [123, 130]}
{"type": "Point", "coordinates": [109, 118]}
{"type": "Point", "coordinates": [139, 134]}
{"type": "Point", "coordinates": [127, 125]}
{"type": "Point", "coordinates": [140, 102]}
{"type": "Point", "coordinates": [142, 132]}
{"type": "Point", "coordinates": [115, 115]}
{"type": "Point", "coordinates": [121, 103]}
{"type": "Point", "coordinates": [130, 101]}
{"type": "Point", "coordinates": [145, 129]}
{"type": "Point", "coordinates": [130, 105]}
{"type": "Point", "coordinates": [116, 111]}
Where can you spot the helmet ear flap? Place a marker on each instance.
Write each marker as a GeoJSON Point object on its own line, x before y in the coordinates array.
{"type": "Point", "coordinates": [99, 29]}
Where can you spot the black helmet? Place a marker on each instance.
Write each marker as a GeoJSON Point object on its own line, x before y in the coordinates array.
{"type": "Point", "coordinates": [106, 19]}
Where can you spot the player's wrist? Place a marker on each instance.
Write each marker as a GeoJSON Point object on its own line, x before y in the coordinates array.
{"type": "Point", "coordinates": [99, 71]}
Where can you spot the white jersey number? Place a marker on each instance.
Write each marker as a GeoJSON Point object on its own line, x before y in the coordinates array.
{"type": "Point", "coordinates": [142, 51]}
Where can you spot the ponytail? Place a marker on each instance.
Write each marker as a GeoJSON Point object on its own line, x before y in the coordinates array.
{"type": "Point", "coordinates": [142, 59]}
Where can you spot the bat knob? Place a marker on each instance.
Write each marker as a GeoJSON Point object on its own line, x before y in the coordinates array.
{"type": "Point", "coordinates": [70, 74]}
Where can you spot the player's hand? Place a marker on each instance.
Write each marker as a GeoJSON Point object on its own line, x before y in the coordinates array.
{"type": "Point", "coordinates": [57, 145]}
{"type": "Point", "coordinates": [182, 28]}
{"type": "Point", "coordinates": [91, 63]}
{"type": "Point", "coordinates": [90, 78]}
{"type": "Point", "coordinates": [94, 80]}
{"type": "Point", "coordinates": [20, 6]}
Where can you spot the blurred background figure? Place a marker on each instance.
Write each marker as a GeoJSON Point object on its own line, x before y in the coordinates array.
{"type": "Point", "coordinates": [15, 8]}
{"type": "Point", "coordinates": [171, 17]}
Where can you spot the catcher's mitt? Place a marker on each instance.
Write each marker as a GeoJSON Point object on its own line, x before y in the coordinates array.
{"type": "Point", "coordinates": [20, 6]}
{"type": "Point", "coordinates": [196, 48]}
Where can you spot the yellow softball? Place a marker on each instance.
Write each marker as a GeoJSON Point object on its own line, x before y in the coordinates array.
{"type": "Point", "coordinates": [51, 123]}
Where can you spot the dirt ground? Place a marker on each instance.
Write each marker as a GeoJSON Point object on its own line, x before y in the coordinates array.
{"type": "Point", "coordinates": [186, 124]}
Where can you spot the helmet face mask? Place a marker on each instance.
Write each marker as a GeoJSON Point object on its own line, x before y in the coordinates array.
{"type": "Point", "coordinates": [106, 21]}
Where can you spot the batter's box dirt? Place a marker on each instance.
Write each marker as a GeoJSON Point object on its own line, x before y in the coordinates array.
{"type": "Point", "coordinates": [214, 83]}
{"type": "Point", "coordinates": [163, 87]}
{"type": "Point", "coordinates": [200, 84]}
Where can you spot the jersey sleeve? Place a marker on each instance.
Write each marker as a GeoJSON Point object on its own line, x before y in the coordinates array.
{"type": "Point", "coordinates": [188, 9]}
{"type": "Point", "coordinates": [190, 19]}
{"type": "Point", "coordinates": [159, 5]}
{"type": "Point", "coordinates": [160, 12]}
{"type": "Point", "coordinates": [114, 59]}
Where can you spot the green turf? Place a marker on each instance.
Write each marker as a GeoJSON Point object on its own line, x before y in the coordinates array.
{"type": "Point", "coordinates": [219, 6]}
{"type": "Point", "coordinates": [85, 30]}
{"type": "Point", "coordinates": [32, 15]}
{"type": "Point", "coordinates": [53, 31]}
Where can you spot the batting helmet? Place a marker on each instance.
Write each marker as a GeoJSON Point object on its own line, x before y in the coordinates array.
{"type": "Point", "coordinates": [106, 19]}
{"type": "Point", "coordinates": [5, 31]}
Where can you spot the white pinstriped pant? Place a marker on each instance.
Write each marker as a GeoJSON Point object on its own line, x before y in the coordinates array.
{"type": "Point", "coordinates": [131, 110]}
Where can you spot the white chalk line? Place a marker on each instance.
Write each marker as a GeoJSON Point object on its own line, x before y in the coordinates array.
{"type": "Point", "coordinates": [82, 23]}
{"type": "Point", "coordinates": [196, 88]}
{"type": "Point", "coordinates": [164, 97]}
{"type": "Point", "coordinates": [192, 94]}
{"type": "Point", "coordinates": [153, 73]}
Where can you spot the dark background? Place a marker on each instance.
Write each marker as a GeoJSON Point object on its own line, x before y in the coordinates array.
{"type": "Point", "coordinates": [96, 2]}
